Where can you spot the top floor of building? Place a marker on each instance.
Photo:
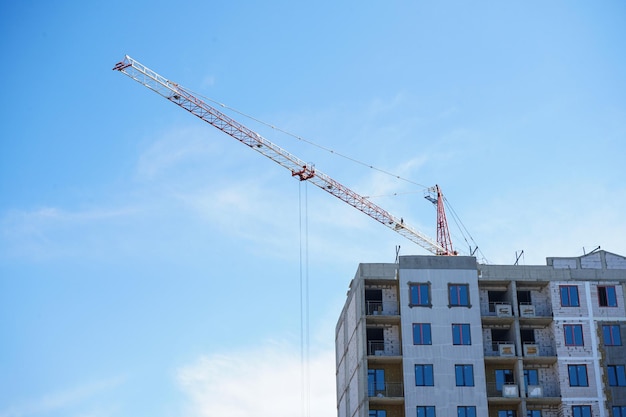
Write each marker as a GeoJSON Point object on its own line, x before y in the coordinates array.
{"type": "Point", "coordinates": [590, 285]}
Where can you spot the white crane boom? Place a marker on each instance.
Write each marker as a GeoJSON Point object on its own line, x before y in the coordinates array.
{"type": "Point", "coordinates": [305, 172]}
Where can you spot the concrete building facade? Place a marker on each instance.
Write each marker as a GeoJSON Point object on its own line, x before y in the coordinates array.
{"type": "Point", "coordinates": [445, 336]}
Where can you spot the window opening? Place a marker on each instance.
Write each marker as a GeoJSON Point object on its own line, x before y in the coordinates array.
{"type": "Point", "coordinates": [569, 296]}
{"type": "Point", "coordinates": [607, 297]}
{"type": "Point", "coordinates": [577, 375]}
{"type": "Point", "coordinates": [611, 335]}
{"type": "Point", "coordinates": [496, 297]}
{"type": "Point", "coordinates": [419, 294]}
{"type": "Point", "coordinates": [375, 340]}
{"type": "Point", "coordinates": [375, 382]}
{"type": "Point", "coordinates": [504, 377]}
{"type": "Point", "coordinates": [424, 376]}
{"type": "Point", "coordinates": [374, 301]}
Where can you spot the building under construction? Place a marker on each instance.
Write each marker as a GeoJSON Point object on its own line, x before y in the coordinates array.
{"type": "Point", "coordinates": [446, 336]}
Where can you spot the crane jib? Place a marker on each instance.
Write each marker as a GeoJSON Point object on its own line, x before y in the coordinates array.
{"type": "Point", "coordinates": [298, 168]}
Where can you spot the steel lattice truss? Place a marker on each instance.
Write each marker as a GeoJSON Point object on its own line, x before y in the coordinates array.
{"type": "Point", "coordinates": [298, 168]}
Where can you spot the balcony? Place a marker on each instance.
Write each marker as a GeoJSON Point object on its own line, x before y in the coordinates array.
{"type": "Point", "coordinates": [503, 310]}
{"type": "Point", "coordinates": [538, 354]}
{"type": "Point", "coordinates": [543, 394]}
{"type": "Point", "coordinates": [388, 390]}
{"type": "Point", "coordinates": [526, 310]}
{"type": "Point", "coordinates": [504, 349]}
{"type": "Point", "coordinates": [382, 308]}
{"type": "Point", "coordinates": [510, 391]}
{"type": "Point", "coordinates": [497, 313]}
{"type": "Point", "coordinates": [506, 394]}
{"type": "Point", "coordinates": [534, 316]}
{"type": "Point", "coordinates": [534, 391]}
{"type": "Point", "coordinates": [382, 348]}
{"type": "Point", "coordinates": [391, 394]}
{"type": "Point", "coordinates": [531, 349]}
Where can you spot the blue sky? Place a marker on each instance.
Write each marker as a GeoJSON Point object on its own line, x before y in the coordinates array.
{"type": "Point", "coordinates": [151, 265]}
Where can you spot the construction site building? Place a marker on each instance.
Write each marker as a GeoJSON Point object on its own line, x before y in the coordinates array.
{"type": "Point", "coordinates": [446, 336]}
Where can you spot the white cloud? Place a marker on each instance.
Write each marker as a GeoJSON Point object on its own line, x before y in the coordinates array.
{"type": "Point", "coordinates": [265, 381]}
{"type": "Point", "coordinates": [50, 232]}
{"type": "Point", "coordinates": [66, 400]}
{"type": "Point", "coordinates": [175, 149]}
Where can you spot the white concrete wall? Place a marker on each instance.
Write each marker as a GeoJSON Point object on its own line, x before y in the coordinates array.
{"type": "Point", "coordinates": [445, 395]}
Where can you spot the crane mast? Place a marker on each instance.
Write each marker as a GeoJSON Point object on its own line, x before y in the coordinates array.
{"type": "Point", "coordinates": [298, 168]}
{"type": "Point", "coordinates": [435, 196]}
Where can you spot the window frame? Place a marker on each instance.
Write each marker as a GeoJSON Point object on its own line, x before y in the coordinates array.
{"type": "Point", "coordinates": [618, 411]}
{"type": "Point", "coordinates": [568, 302]}
{"type": "Point", "coordinates": [570, 331]}
{"type": "Point", "coordinates": [466, 411]}
{"type": "Point", "coordinates": [531, 377]}
{"type": "Point", "coordinates": [419, 286]}
{"type": "Point", "coordinates": [458, 296]}
{"type": "Point", "coordinates": [427, 410]}
{"type": "Point", "coordinates": [616, 375]}
{"type": "Point", "coordinates": [427, 370]}
{"type": "Point", "coordinates": [423, 335]}
{"type": "Point", "coordinates": [503, 377]}
{"type": "Point", "coordinates": [581, 411]}
{"type": "Point", "coordinates": [533, 413]}
{"type": "Point", "coordinates": [378, 413]}
{"type": "Point", "coordinates": [611, 334]}
{"type": "Point", "coordinates": [577, 382]}
{"type": "Point", "coordinates": [509, 413]}
{"type": "Point", "coordinates": [459, 330]}
{"type": "Point", "coordinates": [377, 382]}
{"type": "Point", "coordinates": [610, 297]}
{"type": "Point", "coordinates": [467, 379]}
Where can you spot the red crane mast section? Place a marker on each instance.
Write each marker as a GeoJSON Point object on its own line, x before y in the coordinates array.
{"type": "Point", "coordinates": [298, 168]}
{"type": "Point", "coordinates": [443, 234]}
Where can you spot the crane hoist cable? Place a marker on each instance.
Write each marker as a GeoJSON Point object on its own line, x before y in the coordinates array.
{"type": "Point", "coordinates": [303, 171]}
{"type": "Point", "coordinates": [310, 142]}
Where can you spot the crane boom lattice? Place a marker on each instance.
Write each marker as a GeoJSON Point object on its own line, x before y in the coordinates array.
{"type": "Point", "coordinates": [305, 172]}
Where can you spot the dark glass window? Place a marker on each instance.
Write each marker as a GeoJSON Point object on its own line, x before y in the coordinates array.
{"type": "Point", "coordinates": [507, 413]}
{"type": "Point", "coordinates": [611, 335]}
{"type": "Point", "coordinates": [459, 295]}
{"type": "Point", "coordinates": [607, 297]}
{"type": "Point", "coordinates": [577, 375]}
{"type": "Point", "coordinates": [419, 294]}
{"type": "Point", "coordinates": [581, 411]}
{"type": "Point", "coordinates": [378, 413]}
{"type": "Point", "coordinates": [504, 376]}
{"type": "Point", "coordinates": [573, 334]}
{"type": "Point", "coordinates": [461, 334]}
{"type": "Point", "coordinates": [617, 375]}
{"type": "Point", "coordinates": [375, 382]}
{"type": "Point", "coordinates": [424, 376]}
{"type": "Point", "coordinates": [464, 375]}
{"type": "Point", "coordinates": [533, 413]}
{"type": "Point", "coordinates": [425, 411]}
{"type": "Point", "coordinates": [421, 334]}
{"type": "Point", "coordinates": [619, 411]}
{"type": "Point", "coordinates": [466, 411]}
{"type": "Point", "coordinates": [531, 377]}
{"type": "Point", "coordinates": [569, 296]}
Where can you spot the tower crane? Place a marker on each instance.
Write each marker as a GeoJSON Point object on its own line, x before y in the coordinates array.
{"type": "Point", "coordinates": [299, 169]}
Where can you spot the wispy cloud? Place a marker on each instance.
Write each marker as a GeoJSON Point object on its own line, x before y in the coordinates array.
{"type": "Point", "coordinates": [260, 381]}
{"type": "Point", "coordinates": [67, 401]}
{"type": "Point", "coordinates": [175, 148]}
{"type": "Point", "coordinates": [42, 233]}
